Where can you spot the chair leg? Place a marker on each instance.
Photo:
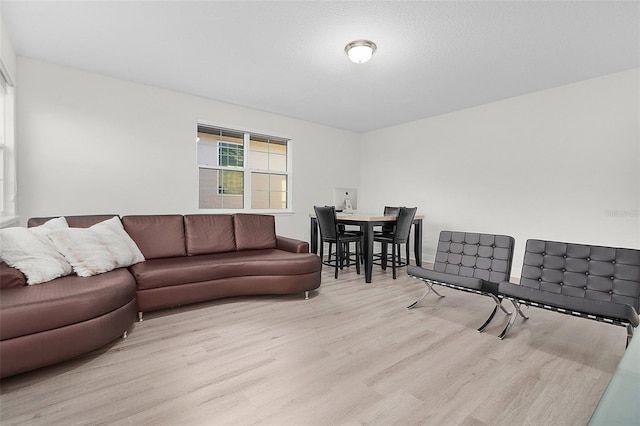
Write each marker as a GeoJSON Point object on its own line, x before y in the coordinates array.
{"type": "Point", "coordinates": [407, 252]}
{"type": "Point", "coordinates": [346, 253]}
{"type": "Point", "coordinates": [629, 334]}
{"type": "Point", "coordinates": [429, 288]}
{"type": "Point", "coordinates": [393, 259]}
{"type": "Point", "coordinates": [321, 252]}
{"type": "Point", "coordinates": [384, 249]}
{"type": "Point", "coordinates": [512, 319]}
{"type": "Point", "coordinates": [495, 309]}
{"type": "Point", "coordinates": [338, 259]}
{"type": "Point", "coordinates": [358, 252]}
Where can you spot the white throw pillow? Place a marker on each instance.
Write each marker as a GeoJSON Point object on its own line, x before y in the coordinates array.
{"type": "Point", "coordinates": [30, 251]}
{"type": "Point", "coordinates": [100, 248]}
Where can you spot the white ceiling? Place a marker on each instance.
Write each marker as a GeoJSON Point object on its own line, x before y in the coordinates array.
{"type": "Point", "coordinates": [287, 57]}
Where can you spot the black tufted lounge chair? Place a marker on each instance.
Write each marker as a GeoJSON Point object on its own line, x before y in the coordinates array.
{"type": "Point", "coordinates": [470, 262]}
{"type": "Point", "coordinates": [594, 282]}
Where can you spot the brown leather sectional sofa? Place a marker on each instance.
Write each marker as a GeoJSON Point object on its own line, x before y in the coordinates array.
{"type": "Point", "coordinates": [188, 259]}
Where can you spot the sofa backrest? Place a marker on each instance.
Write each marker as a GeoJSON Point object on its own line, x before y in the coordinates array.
{"type": "Point", "coordinates": [157, 236]}
{"type": "Point", "coordinates": [580, 270]}
{"type": "Point", "coordinates": [11, 277]}
{"type": "Point", "coordinates": [484, 256]}
{"type": "Point", "coordinates": [209, 233]}
{"type": "Point", "coordinates": [254, 231]}
{"type": "Point", "coordinates": [73, 221]}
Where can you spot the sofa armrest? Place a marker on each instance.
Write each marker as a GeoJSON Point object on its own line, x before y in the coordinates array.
{"type": "Point", "coordinates": [11, 277]}
{"type": "Point", "coordinates": [292, 245]}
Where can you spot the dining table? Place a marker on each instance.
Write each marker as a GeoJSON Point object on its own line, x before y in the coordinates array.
{"type": "Point", "coordinates": [367, 222]}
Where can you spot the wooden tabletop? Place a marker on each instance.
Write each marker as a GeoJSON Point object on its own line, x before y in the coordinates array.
{"type": "Point", "coordinates": [365, 217]}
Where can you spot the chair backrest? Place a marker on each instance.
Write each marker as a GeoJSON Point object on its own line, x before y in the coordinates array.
{"type": "Point", "coordinates": [403, 224]}
{"type": "Point", "coordinates": [391, 210]}
{"type": "Point", "coordinates": [579, 270]}
{"type": "Point", "coordinates": [388, 227]}
{"type": "Point", "coordinates": [326, 217]}
{"type": "Point", "coordinates": [485, 256]}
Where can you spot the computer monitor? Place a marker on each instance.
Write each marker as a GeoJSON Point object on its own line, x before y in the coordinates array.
{"type": "Point", "coordinates": [340, 197]}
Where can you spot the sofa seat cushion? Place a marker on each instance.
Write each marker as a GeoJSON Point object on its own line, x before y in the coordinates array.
{"type": "Point", "coordinates": [156, 273]}
{"type": "Point", "coordinates": [603, 308]}
{"type": "Point", "coordinates": [63, 301]}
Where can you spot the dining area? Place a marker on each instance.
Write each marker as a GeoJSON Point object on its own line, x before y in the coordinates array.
{"type": "Point", "coordinates": [392, 229]}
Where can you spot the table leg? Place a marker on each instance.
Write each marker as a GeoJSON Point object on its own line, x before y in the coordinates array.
{"type": "Point", "coordinates": [417, 241]}
{"type": "Point", "coordinates": [367, 228]}
{"type": "Point", "coordinates": [313, 243]}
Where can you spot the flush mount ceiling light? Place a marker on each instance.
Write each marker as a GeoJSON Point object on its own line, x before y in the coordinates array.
{"type": "Point", "coordinates": [360, 51]}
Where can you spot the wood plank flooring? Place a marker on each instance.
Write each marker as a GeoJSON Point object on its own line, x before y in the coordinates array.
{"type": "Point", "coordinates": [352, 354]}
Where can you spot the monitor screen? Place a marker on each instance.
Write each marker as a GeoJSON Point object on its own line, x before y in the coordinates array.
{"type": "Point", "coordinates": [340, 195]}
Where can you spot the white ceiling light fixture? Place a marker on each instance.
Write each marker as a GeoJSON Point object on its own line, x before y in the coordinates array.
{"type": "Point", "coordinates": [360, 51]}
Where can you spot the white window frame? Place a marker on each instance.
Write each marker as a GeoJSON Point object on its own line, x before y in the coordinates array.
{"type": "Point", "coordinates": [8, 213]}
{"type": "Point", "coordinates": [229, 168]}
{"type": "Point", "coordinates": [247, 170]}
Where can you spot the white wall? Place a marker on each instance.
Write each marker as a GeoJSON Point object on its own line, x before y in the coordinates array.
{"type": "Point", "coordinates": [560, 164]}
{"type": "Point", "coordinates": [7, 54]}
{"type": "Point", "coordinates": [92, 144]}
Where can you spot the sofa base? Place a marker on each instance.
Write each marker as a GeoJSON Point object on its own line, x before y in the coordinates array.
{"type": "Point", "coordinates": [183, 294]}
{"type": "Point", "coordinates": [37, 350]}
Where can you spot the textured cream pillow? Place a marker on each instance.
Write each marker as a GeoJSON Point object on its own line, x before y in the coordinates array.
{"type": "Point", "coordinates": [30, 251]}
{"type": "Point", "coordinates": [100, 248]}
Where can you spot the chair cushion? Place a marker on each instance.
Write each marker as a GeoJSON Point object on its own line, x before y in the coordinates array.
{"type": "Point", "coordinates": [193, 269]}
{"type": "Point", "coordinates": [209, 233]}
{"type": "Point", "coordinates": [604, 308]}
{"type": "Point", "coordinates": [459, 280]}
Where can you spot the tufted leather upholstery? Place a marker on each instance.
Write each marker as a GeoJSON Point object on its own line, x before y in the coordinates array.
{"type": "Point", "coordinates": [592, 280]}
{"type": "Point", "coordinates": [484, 256]}
{"type": "Point", "coordinates": [470, 262]}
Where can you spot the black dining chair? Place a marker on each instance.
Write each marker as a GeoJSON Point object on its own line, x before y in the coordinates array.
{"type": "Point", "coordinates": [387, 228]}
{"type": "Point", "coordinates": [330, 232]}
{"type": "Point", "coordinates": [399, 235]}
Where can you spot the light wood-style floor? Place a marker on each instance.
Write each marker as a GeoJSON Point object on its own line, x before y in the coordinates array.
{"type": "Point", "coordinates": [352, 354]}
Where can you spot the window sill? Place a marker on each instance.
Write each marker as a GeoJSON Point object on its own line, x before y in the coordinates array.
{"type": "Point", "coordinates": [7, 221]}
{"type": "Point", "coordinates": [248, 211]}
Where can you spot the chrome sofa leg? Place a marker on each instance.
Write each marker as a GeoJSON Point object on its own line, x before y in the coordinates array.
{"type": "Point", "coordinates": [306, 295]}
{"type": "Point", "coordinates": [629, 334]}
{"type": "Point", "coordinates": [124, 335]}
{"type": "Point", "coordinates": [139, 316]}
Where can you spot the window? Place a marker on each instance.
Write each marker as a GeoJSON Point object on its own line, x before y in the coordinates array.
{"type": "Point", "coordinates": [3, 96]}
{"type": "Point", "coordinates": [7, 158]}
{"type": "Point", "coordinates": [242, 170]}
